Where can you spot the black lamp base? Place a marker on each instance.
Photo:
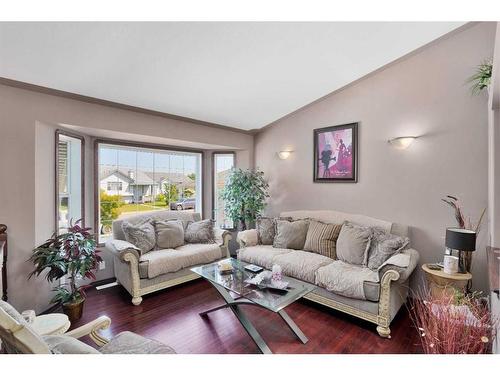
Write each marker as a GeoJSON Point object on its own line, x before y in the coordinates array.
{"type": "Point", "coordinates": [461, 262]}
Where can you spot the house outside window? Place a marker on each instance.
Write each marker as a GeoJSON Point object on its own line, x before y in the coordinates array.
{"type": "Point", "coordinates": [136, 179]}
{"type": "Point", "coordinates": [113, 185]}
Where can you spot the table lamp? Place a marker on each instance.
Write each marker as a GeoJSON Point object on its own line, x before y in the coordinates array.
{"type": "Point", "coordinates": [461, 240]}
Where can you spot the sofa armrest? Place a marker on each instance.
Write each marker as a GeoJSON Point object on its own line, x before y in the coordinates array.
{"type": "Point", "coordinates": [122, 249]}
{"type": "Point", "coordinates": [92, 329]}
{"type": "Point", "coordinates": [222, 236]}
{"type": "Point", "coordinates": [403, 263]}
{"type": "Point", "coordinates": [248, 238]}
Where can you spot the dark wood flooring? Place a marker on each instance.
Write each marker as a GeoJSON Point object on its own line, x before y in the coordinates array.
{"type": "Point", "coordinates": [171, 316]}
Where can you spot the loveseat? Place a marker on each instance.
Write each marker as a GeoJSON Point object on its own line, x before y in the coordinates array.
{"type": "Point", "coordinates": [161, 268]}
{"type": "Point", "coordinates": [372, 295]}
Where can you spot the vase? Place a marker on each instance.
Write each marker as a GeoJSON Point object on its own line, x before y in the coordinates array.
{"type": "Point", "coordinates": [74, 310]}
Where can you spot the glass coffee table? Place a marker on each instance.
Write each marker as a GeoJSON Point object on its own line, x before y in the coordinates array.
{"type": "Point", "coordinates": [247, 294]}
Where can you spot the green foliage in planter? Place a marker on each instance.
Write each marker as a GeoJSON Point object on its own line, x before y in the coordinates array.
{"type": "Point", "coordinates": [72, 254]}
{"type": "Point", "coordinates": [244, 195]}
{"type": "Point", "coordinates": [482, 78]}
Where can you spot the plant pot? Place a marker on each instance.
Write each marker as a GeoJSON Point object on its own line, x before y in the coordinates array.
{"type": "Point", "coordinates": [74, 310]}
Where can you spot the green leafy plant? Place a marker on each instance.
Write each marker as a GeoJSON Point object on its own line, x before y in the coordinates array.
{"type": "Point", "coordinates": [188, 193]}
{"type": "Point", "coordinates": [171, 192]}
{"type": "Point", "coordinates": [110, 207]}
{"type": "Point", "coordinates": [72, 254]}
{"type": "Point", "coordinates": [244, 195]}
{"type": "Point", "coordinates": [160, 197]}
{"type": "Point", "coordinates": [481, 79]}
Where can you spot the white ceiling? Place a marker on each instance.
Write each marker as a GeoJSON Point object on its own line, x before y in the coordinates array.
{"type": "Point", "coordinates": [244, 75]}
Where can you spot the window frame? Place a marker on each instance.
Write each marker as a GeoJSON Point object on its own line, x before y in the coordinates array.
{"type": "Point", "coordinates": [118, 185]}
{"type": "Point", "coordinates": [214, 154]}
{"type": "Point", "coordinates": [66, 133]}
{"type": "Point", "coordinates": [152, 146]}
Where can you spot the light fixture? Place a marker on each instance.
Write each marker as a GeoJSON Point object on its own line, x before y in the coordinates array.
{"type": "Point", "coordinates": [284, 154]}
{"type": "Point", "coordinates": [402, 143]}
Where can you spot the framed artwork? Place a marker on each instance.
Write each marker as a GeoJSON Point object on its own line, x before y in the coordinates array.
{"type": "Point", "coordinates": [336, 153]}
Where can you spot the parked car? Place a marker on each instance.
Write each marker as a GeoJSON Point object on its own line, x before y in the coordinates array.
{"type": "Point", "coordinates": [183, 204]}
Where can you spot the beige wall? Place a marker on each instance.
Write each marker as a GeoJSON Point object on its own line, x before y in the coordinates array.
{"type": "Point", "coordinates": [422, 95]}
{"type": "Point", "coordinates": [494, 171]}
{"type": "Point", "coordinates": [28, 121]}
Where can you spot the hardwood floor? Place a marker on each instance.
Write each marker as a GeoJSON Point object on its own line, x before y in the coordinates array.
{"type": "Point", "coordinates": [171, 316]}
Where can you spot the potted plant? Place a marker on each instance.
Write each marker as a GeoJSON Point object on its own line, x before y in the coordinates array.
{"type": "Point", "coordinates": [456, 324]}
{"type": "Point", "coordinates": [482, 78]}
{"type": "Point", "coordinates": [244, 196]}
{"type": "Point", "coordinates": [72, 254]}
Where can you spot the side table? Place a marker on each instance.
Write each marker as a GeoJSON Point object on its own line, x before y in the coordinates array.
{"type": "Point", "coordinates": [51, 324]}
{"type": "Point", "coordinates": [442, 284]}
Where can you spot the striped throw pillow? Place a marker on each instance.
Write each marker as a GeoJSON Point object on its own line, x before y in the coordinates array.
{"type": "Point", "coordinates": [322, 238]}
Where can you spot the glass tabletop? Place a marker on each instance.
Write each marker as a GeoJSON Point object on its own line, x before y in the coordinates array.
{"type": "Point", "coordinates": [268, 298]}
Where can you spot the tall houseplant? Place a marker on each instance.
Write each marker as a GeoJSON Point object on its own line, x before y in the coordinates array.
{"type": "Point", "coordinates": [72, 254]}
{"type": "Point", "coordinates": [244, 196]}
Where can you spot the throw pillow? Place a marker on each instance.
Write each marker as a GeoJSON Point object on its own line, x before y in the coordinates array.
{"type": "Point", "coordinates": [290, 234]}
{"type": "Point", "coordinates": [266, 229]}
{"type": "Point", "coordinates": [321, 238]}
{"type": "Point", "coordinates": [141, 235]}
{"type": "Point", "coordinates": [200, 232]}
{"type": "Point", "coordinates": [384, 245]}
{"type": "Point", "coordinates": [169, 234]}
{"type": "Point", "coordinates": [353, 244]}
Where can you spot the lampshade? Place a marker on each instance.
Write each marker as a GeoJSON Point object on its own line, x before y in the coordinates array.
{"type": "Point", "coordinates": [460, 239]}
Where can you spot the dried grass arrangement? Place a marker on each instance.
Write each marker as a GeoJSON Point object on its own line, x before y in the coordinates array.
{"type": "Point", "coordinates": [460, 324]}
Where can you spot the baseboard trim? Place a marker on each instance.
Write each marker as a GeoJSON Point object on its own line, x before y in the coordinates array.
{"type": "Point", "coordinates": [103, 282]}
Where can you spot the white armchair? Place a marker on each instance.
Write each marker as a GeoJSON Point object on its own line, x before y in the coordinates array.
{"type": "Point", "coordinates": [18, 337]}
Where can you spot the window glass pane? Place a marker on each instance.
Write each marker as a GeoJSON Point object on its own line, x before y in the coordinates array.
{"type": "Point", "coordinates": [222, 165]}
{"type": "Point", "coordinates": [135, 180]}
{"type": "Point", "coordinates": [69, 186]}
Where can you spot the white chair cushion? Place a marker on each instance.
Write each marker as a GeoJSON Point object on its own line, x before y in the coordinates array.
{"type": "Point", "coordinates": [131, 343]}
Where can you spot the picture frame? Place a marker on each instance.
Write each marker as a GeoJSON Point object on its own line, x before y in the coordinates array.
{"type": "Point", "coordinates": [336, 153]}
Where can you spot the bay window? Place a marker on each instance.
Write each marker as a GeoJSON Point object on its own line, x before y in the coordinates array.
{"type": "Point", "coordinates": [136, 179]}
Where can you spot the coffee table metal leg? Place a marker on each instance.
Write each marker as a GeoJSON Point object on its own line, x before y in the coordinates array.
{"type": "Point", "coordinates": [252, 332]}
{"type": "Point", "coordinates": [256, 337]}
{"type": "Point", "coordinates": [225, 306]}
{"type": "Point", "coordinates": [295, 329]}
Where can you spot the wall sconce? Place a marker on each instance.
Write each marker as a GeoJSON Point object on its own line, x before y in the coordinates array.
{"type": "Point", "coordinates": [284, 154]}
{"type": "Point", "coordinates": [402, 143]}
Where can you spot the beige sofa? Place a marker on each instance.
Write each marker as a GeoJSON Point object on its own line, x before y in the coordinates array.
{"type": "Point", "coordinates": [161, 268]}
{"type": "Point", "coordinates": [375, 296]}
